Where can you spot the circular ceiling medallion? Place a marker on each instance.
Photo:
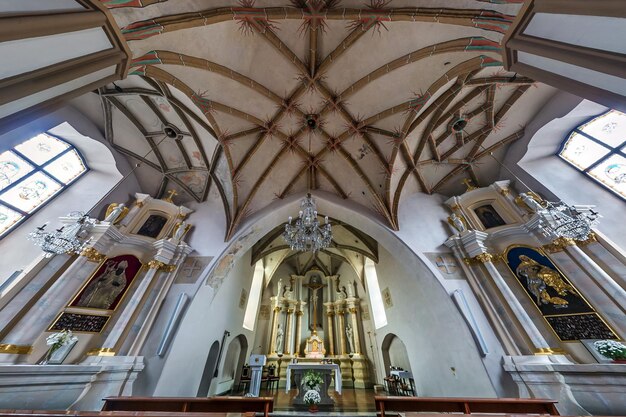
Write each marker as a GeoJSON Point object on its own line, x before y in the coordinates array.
{"type": "Point", "coordinates": [459, 124]}
{"type": "Point", "coordinates": [172, 132]}
{"type": "Point", "coordinates": [310, 121]}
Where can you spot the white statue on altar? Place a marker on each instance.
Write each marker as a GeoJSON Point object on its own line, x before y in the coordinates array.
{"type": "Point", "coordinates": [531, 202]}
{"type": "Point", "coordinates": [350, 337]}
{"type": "Point", "coordinates": [350, 290]}
{"type": "Point", "coordinates": [279, 339]}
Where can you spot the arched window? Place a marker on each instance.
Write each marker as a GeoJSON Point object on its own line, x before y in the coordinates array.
{"type": "Point", "coordinates": [32, 174]}
{"type": "Point", "coordinates": [598, 148]}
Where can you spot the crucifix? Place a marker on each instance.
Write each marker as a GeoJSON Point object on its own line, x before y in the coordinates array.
{"type": "Point", "coordinates": [170, 195]}
{"type": "Point", "coordinates": [314, 285]}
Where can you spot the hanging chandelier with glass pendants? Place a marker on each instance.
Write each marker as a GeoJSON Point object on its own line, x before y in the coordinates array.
{"type": "Point", "coordinates": [306, 234]}
{"type": "Point", "coordinates": [571, 222]}
{"type": "Point", "coordinates": [66, 239]}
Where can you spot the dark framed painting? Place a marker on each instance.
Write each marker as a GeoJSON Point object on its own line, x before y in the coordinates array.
{"type": "Point", "coordinates": [79, 323]}
{"type": "Point", "coordinates": [488, 216]}
{"type": "Point", "coordinates": [565, 310]}
{"type": "Point", "coordinates": [107, 286]}
{"type": "Point", "coordinates": [153, 226]}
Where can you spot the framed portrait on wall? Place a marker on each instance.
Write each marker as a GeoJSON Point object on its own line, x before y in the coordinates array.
{"type": "Point", "coordinates": [153, 226]}
{"type": "Point", "coordinates": [488, 216]}
{"type": "Point", "coordinates": [107, 286]}
{"type": "Point", "coordinates": [563, 308]}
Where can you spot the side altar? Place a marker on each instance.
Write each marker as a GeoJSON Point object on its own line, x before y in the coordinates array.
{"type": "Point", "coordinates": [328, 372]}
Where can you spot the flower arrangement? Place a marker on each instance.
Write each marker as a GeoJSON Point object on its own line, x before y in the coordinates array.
{"type": "Point", "coordinates": [56, 341]}
{"type": "Point", "coordinates": [611, 349]}
{"type": "Point", "coordinates": [312, 380]}
{"type": "Point", "coordinates": [312, 397]}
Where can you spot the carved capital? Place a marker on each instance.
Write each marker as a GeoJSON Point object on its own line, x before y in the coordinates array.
{"type": "Point", "coordinates": [92, 255]}
{"type": "Point", "coordinates": [505, 192]}
{"type": "Point", "coordinates": [352, 310]}
{"type": "Point", "coordinates": [101, 352]}
{"type": "Point", "coordinates": [559, 244]}
{"type": "Point", "coordinates": [299, 313]}
{"type": "Point", "coordinates": [16, 349]}
{"type": "Point", "coordinates": [161, 266]}
{"type": "Point", "coordinates": [484, 258]}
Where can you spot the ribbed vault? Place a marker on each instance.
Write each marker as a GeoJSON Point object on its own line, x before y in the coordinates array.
{"type": "Point", "coordinates": [371, 102]}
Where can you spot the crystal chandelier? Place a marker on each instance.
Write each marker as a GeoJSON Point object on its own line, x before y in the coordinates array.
{"type": "Point", "coordinates": [572, 222]}
{"type": "Point", "coordinates": [307, 234]}
{"type": "Point", "coordinates": [66, 239]}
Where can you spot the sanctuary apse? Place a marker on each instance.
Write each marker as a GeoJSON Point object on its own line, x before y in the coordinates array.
{"type": "Point", "coordinates": [171, 141]}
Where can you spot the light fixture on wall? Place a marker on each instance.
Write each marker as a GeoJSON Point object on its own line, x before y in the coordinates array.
{"type": "Point", "coordinates": [559, 219]}
{"type": "Point", "coordinates": [72, 239]}
{"type": "Point", "coordinates": [307, 234]}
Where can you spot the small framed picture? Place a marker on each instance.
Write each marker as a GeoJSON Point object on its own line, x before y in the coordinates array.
{"type": "Point", "coordinates": [588, 343]}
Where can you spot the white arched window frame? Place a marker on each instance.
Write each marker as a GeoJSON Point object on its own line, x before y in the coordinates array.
{"type": "Point", "coordinates": [32, 174]}
{"type": "Point", "coordinates": [598, 149]}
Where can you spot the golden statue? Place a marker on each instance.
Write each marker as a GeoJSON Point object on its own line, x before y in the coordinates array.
{"type": "Point", "coordinates": [539, 277]}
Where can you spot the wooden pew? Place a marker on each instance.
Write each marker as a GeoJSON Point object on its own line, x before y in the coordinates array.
{"type": "Point", "coordinates": [263, 405]}
{"type": "Point", "coordinates": [70, 413]}
{"type": "Point", "coordinates": [465, 405]}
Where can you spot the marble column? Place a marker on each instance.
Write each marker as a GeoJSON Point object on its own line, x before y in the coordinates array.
{"type": "Point", "coordinates": [539, 343]}
{"type": "Point", "coordinates": [113, 339]}
{"type": "Point", "coordinates": [355, 330]}
{"type": "Point", "coordinates": [288, 337]}
{"type": "Point", "coordinates": [274, 330]}
{"type": "Point", "coordinates": [330, 332]}
{"type": "Point", "coordinates": [341, 328]}
{"type": "Point", "coordinates": [604, 280]}
{"type": "Point", "coordinates": [299, 314]}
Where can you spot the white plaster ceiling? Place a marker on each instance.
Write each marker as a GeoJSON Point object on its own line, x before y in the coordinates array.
{"type": "Point", "coordinates": [385, 81]}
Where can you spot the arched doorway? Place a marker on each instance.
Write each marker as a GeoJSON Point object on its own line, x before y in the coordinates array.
{"type": "Point", "coordinates": [209, 370]}
{"type": "Point", "coordinates": [234, 360]}
{"type": "Point", "coordinates": [394, 353]}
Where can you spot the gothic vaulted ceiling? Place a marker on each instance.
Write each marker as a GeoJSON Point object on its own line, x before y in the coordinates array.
{"type": "Point", "coordinates": [370, 100]}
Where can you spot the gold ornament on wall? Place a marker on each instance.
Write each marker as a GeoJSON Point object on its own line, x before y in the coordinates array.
{"type": "Point", "coordinates": [92, 254]}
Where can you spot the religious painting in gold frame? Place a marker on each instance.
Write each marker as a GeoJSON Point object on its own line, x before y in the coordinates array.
{"type": "Point", "coordinates": [564, 309]}
{"type": "Point", "coordinates": [106, 287]}
{"type": "Point", "coordinates": [79, 323]}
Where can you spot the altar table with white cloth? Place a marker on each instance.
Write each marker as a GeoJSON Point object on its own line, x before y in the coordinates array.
{"type": "Point", "coordinates": [326, 370]}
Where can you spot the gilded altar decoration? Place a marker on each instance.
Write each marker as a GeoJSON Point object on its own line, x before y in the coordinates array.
{"type": "Point", "coordinates": [92, 254]}
{"type": "Point", "coordinates": [569, 315]}
{"type": "Point", "coordinates": [79, 323]}
{"type": "Point", "coordinates": [107, 286]}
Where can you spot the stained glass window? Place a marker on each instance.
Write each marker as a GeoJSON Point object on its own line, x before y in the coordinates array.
{"type": "Point", "coordinates": [33, 173]}
{"type": "Point", "coordinates": [598, 149]}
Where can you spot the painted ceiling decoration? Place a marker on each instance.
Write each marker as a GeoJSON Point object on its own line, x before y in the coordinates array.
{"type": "Point", "coordinates": [370, 102]}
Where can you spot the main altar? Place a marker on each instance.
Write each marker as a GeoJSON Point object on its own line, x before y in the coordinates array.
{"type": "Point", "coordinates": [316, 319]}
{"type": "Point", "coordinates": [330, 373]}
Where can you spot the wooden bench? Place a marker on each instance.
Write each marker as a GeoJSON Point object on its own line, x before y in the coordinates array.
{"type": "Point", "coordinates": [70, 413]}
{"type": "Point", "coordinates": [263, 405]}
{"type": "Point", "coordinates": [465, 405]}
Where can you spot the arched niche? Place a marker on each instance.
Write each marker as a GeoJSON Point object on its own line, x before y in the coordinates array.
{"type": "Point", "coordinates": [209, 370]}
{"type": "Point", "coordinates": [234, 360]}
{"type": "Point", "coordinates": [394, 353]}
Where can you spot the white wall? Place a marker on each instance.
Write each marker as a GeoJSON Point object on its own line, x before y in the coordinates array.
{"type": "Point", "coordinates": [442, 353]}
{"type": "Point", "coordinates": [106, 167]}
{"type": "Point", "coordinates": [209, 315]}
